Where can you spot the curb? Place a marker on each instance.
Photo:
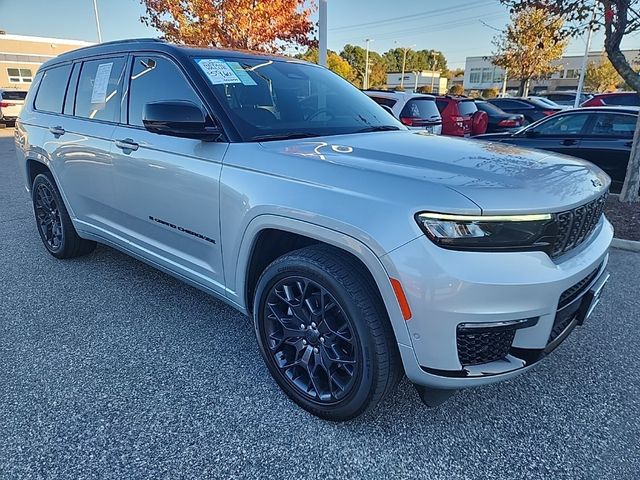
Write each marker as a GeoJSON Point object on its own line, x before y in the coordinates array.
{"type": "Point", "coordinates": [628, 245]}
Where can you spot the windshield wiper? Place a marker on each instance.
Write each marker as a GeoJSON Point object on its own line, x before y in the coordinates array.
{"type": "Point", "coordinates": [379, 128]}
{"type": "Point", "coordinates": [283, 136]}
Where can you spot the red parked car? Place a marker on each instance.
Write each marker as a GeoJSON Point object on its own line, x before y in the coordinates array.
{"type": "Point", "coordinates": [623, 98]}
{"type": "Point", "coordinates": [461, 117]}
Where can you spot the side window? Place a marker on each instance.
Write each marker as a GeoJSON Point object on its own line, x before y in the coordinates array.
{"type": "Point", "coordinates": [615, 125]}
{"type": "Point", "coordinates": [631, 100]}
{"type": "Point", "coordinates": [154, 79]}
{"type": "Point", "coordinates": [389, 102]}
{"type": "Point", "coordinates": [563, 125]}
{"type": "Point", "coordinates": [52, 87]}
{"type": "Point", "coordinates": [100, 89]}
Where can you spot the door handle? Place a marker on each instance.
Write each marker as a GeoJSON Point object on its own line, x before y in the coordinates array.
{"type": "Point", "coordinates": [127, 144]}
{"type": "Point", "coordinates": [569, 141]}
{"type": "Point", "coordinates": [57, 131]}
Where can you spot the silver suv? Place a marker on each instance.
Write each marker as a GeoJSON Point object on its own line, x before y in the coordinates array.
{"type": "Point", "coordinates": [361, 249]}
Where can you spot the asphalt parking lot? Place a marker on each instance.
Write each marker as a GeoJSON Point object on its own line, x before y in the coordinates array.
{"type": "Point", "coordinates": [111, 369]}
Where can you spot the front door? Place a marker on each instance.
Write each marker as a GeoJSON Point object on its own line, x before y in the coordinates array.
{"type": "Point", "coordinates": [167, 187]}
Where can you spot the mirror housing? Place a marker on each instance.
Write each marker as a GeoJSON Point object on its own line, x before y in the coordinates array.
{"type": "Point", "coordinates": [178, 118]}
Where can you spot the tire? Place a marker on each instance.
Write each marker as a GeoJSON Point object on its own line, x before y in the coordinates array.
{"type": "Point", "coordinates": [346, 361]}
{"type": "Point", "coordinates": [53, 222]}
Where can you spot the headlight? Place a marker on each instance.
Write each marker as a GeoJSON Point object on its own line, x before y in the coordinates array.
{"type": "Point", "coordinates": [486, 232]}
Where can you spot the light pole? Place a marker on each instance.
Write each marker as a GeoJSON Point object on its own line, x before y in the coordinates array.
{"type": "Point", "coordinates": [504, 83]}
{"type": "Point", "coordinates": [95, 9]}
{"type": "Point", "coordinates": [322, 27]}
{"type": "Point", "coordinates": [433, 66]}
{"type": "Point", "coordinates": [404, 63]}
{"type": "Point", "coordinates": [365, 82]}
{"type": "Point", "coordinates": [576, 102]}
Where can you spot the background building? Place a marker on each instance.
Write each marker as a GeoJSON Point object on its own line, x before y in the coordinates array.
{"type": "Point", "coordinates": [413, 80]}
{"type": "Point", "coordinates": [22, 55]}
{"type": "Point", "coordinates": [481, 74]}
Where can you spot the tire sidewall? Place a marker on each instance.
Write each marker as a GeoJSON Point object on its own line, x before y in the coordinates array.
{"type": "Point", "coordinates": [357, 400]}
{"type": "Point", "coordinates": [46, 180]}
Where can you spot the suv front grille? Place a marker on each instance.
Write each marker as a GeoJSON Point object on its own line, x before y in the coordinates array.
{"type": "Point", "coordinates": [574, 226]}
{"type": "Point", "coordinates": [475, 348]}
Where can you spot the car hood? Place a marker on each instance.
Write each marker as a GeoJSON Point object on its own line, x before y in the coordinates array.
{"type": "Point", "coordinates": [498, 177]}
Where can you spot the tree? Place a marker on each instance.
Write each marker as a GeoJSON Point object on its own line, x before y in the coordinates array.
{"type": "Point", "coordinates": [601, 76]}
{"type": "Point", "coordinates": [424, 89]}
{"type": "Point", "coordinates": [356, 57]}
{"type": "Point", "coordinates": [456, 89]}
{"type": "Point", "coordinates": [529, 45]}
{"type": "Point", "coordinates": [266, 25]}
{"type": "Point", "coordinates": [335, 62]}
{"type": "Point", "coordinates": [618, 18]}
{"type": "Point", "coordinates": [416, 61]}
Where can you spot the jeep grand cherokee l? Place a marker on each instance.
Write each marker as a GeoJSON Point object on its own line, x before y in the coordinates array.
{"type": "Point", "coordinates": [361, 249]}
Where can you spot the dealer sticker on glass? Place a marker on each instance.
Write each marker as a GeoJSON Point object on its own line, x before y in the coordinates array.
{"type": "Point", "coordinates": [217, 71]}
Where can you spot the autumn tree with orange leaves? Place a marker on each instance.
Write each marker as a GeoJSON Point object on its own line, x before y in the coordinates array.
{"type": "Point", "coordinates": [265, 25]}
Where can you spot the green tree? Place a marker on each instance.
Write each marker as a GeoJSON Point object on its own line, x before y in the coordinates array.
{"type": "Point", "coordinates": [529, 45]}
{"type": "Point", "coordinates": [601, 76]}
{"type": "Point", "coordinates": [335, 62]}
{"type": "Point", "coordinates": [456, 89]}
{"type": "Point", "coordinates": [355, 56]}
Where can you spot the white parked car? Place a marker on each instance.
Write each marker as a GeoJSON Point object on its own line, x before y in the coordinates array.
{"type": "Point", "coordinates": [11, 102]}
{"type": "Point", "coordinates": [417, 111]}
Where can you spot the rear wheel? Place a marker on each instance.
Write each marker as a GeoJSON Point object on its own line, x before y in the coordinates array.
{"type": "Point", "coordinates": [54, 224]}
{"type": "Point", "coordinates": [324, 334]}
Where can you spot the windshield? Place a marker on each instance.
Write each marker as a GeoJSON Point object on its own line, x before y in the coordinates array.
{"type": "Point", "coordinates": [276, 99]}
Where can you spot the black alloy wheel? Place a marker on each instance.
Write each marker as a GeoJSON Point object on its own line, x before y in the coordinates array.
{"type": "Point", "coordinates": [48, 217]}
{"type": "Point", "coordinates": [311, 339]}
{"type": "Point", "coordinates": [324, 333]}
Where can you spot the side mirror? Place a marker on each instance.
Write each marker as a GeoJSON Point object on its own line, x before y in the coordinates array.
{"type": "Point", "coordinates": [178, 118]}
{"type": "Point", "coordinates": [388, 109]}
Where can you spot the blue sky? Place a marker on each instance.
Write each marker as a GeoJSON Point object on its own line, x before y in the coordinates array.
{"type": "Point", "coordinates": [459, 28]}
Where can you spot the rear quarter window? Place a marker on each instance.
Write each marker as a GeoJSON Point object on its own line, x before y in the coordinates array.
{"type": "Point", "coordinates": [389, 102]}
{"type": "Point", "coordinates": [52, 89]}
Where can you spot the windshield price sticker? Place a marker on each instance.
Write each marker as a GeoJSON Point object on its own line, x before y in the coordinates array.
{"type": "Point", "coordinates": [244, 77]}
{"type": "Point", "coordinates": [101, 83]}
{"type": "Point", "coordinates": [217, 71]}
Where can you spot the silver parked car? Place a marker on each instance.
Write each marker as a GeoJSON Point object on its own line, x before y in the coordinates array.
{"type": "Point", "coordinates": [362, 250]}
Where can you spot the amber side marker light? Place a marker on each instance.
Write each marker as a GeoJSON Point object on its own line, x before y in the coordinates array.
{"type": "Point", "coordinates": [402, 300]}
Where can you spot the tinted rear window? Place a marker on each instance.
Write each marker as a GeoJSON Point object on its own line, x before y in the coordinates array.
{"type": "Point", "coordinates": [489, 108]}
{"type": "Point", "coordinates": [467, 108]}
{"type": "Point", "coordinates": [14, 95]}
{"type": "Point", "coordinates": [506, 104]}
{"type": "Point", "coordinates": [540, 104]}
{"type": "Point", "coordinates": [420, 108]}
{"type": "Point", "coordinates": [631, 99]}
{"type": "Point", "coordinates": [52, 88]}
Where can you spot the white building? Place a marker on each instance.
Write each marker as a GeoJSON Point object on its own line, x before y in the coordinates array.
{"type": "Point", "coordinates": [413, 80]}
{"type": "Point", "coordinates": [481, 74]}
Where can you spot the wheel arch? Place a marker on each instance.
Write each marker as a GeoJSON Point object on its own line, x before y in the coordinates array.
{"type": "Point", "coordinates": [269, 236]}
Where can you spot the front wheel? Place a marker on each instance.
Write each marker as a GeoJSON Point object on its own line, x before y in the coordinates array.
{"type": "Point", "coordinates": [324, 333]}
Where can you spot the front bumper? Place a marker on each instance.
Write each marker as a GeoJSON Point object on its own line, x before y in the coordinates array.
{"type": "Point", "coordinates": [446, 289]}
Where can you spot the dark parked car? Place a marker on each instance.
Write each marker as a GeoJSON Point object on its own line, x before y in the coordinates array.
{"type": "Point", "coordinates": [601, 135]}
{"type": "Point", "coordinates": [532, 110]}
{"type": "Point", "coordinates": [567, 99]}
{"type": "Point", "coordinates": [613, 99]}
{"type": "Point", "coordinates": [499, 120]}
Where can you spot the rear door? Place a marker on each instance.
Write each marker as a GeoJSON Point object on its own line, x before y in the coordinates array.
{"type": "Point", "coordinates": [168, 187]}
{"type": "Point", "coordinates": [83, 139]}
{"type": "Point", "coordinates": [608, 145]}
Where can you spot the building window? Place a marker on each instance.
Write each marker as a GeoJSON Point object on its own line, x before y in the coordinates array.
{"type": "Point", "coordinates": [20, 75]}
{"type": "Point", "coordinates": [487, 75]}
{"type": "Point", "coordinates": [498, 75]}
{"type": "Point", "coordinates": [474, 75]}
